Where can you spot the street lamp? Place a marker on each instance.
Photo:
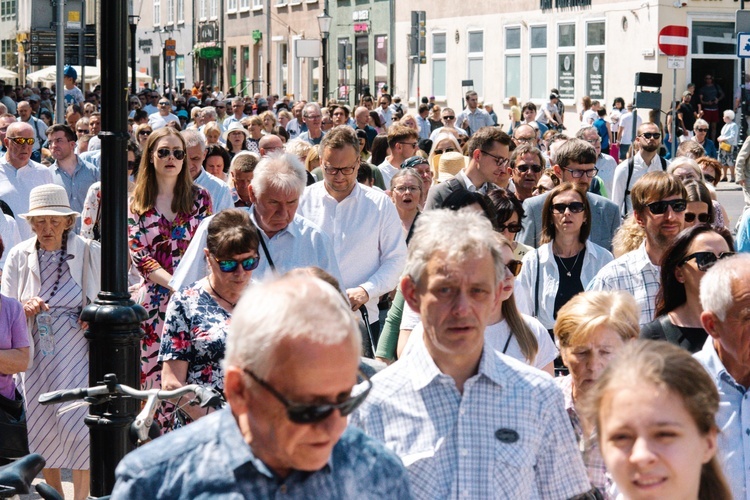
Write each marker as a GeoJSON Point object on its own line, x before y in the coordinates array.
{"type": "Point", "coordinates": [324, 24]}
{"type": "Point", "coordinates": [133, 22]}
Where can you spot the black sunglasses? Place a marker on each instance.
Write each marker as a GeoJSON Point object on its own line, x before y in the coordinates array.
{"type": "Point", "coordinates": [575, 208]}
{"type": "Point", "coordinates": [446, 150]}
{"type": "Point", "coordinates": [525, 168]}
{"type": "Point", "coordinates": [231, 265]}
{"type": "Point", "coordinates": [651, 135]}
{"type": "Point", "coordinates": [511, 228]}
{"type": "Point", "coordinates": [660, 207]}
{"type": "Point", "coordinates": [145, 132]}
{"type": "Point", "coordinates": [710, 178]}
{"type": "Point", "coordinates": [178, 154]}
{"type": "Point", "coordinates": [701, 130]}
{"type": "Point", "coordinates": [309, 414]}
{"type": "Point", "coordinates": [705, 260]}
{"type": "Point", "coordinates": [690, 217]}
{"type": "Point", "coordinates": [514, 266]}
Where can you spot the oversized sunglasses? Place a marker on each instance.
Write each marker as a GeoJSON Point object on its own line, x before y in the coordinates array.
{"type": "Point", "coordinates": [23, 140]}
{"type": "Point", "coordinates": [446, 150]}
{"type": "Point", "coordinates": [514, 266]}
{"type": "Point", "coordinates": [231, 265]}
{"type": "Point", "coordinates": [511, 228]}
{"type": "Point", "coordinates": [163, 153]}
{"type": "Point", "coordinates": [575, 208]}
{"type": "Point", "coordinates": [705, 260]}
{"type": "Point", "coordinates": [300, 413]}
{"type": "Point", "coordinates": [690, 217]}
{"type": "Point", "coordinates": [525, 168]}
{"type": "Point", "coordinates": [145, 132]}
{"type": "Point", "coordinates": [660, 207]}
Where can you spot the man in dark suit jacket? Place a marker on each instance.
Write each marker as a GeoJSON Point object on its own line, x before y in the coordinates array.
{"type": "Point", "coordinates": [575, 162]}
{"type": "Point", "coordinates": [489, 161]}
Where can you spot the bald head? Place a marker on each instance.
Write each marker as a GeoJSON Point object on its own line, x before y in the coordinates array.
{"type": "Point", "coordinates": [362, 116]}
{"type": "Point", "coordinates": [19, 154]}
{"type": "Point", "coordinates": [270, 143]}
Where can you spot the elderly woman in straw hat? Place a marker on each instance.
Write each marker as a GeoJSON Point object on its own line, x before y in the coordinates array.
{"type": "Point", "coordinates": [54, 275]}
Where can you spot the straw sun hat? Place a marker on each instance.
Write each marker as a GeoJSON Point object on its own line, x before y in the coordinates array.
{"type": "Point", "coordinates": [49, 199]}
{"type": "Point", "coordinates": [449, 165]}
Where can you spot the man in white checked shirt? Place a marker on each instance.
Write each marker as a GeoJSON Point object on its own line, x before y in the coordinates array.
{"type": "Point", "coordinates": [467, 421]}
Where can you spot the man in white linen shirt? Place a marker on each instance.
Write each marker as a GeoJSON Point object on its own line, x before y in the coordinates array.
{"type": "Point", "coordinates": [363, 223]}
{"type": "Point", "coordinates": [221, 195]}
{"type": "Point", "coordinates": [163, 116]}
{"type": "Point", "coordinates": [467, 421]}
{"type": "Point", "coordinates": [19, 174]}
{"type": "Point", "coordinates": [289, 241]}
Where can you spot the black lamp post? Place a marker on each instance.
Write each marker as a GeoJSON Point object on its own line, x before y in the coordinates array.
{"type": "Point", "coordinates": [114, 320]}
{"type": "Point", "coordinates": [133, 21]}
{"type": "Point", "coordinates": [324, 23]}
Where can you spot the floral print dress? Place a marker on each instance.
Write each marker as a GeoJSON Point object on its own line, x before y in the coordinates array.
{"type": "Point", "coordinates": [157, 243]}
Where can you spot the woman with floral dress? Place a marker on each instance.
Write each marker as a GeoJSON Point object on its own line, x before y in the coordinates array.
{"type": "Point", "coordinates": [165, 211]}
{"type": "Point", "coordinates": [198, 317]}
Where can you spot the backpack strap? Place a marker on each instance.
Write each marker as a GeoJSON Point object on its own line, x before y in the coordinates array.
{"type": "Point", "coordinates": [631, 165]}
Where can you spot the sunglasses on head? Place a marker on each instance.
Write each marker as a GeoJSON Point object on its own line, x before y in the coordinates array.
{"type": "Point", "coordinates": [446, 150]}
{"type": "Point", "coordinates": [525, 168]}
{"type": "Point", "coordinates": [163, 153]}
{"type": "Point", "coordinates": [231, 265]}
{"type": "Point", "coordinates": [23, 140]}
{"type": "Point", "coordinates": [575, 207]}
{"type": "Point", "coordinates": [690, 217]}
{"type": "Point", "coordinates": [660, 207]}
{"type": "Point", "coordinates": [705, 260]}
{"type": "Point", "coordinates": [651, 135]}
{"type": "Point", "coordinates": [311, 413]}
{"type": "Point", "coordinates": [514, 266]}
{"type": "Point", "coordinates": [511, 228]}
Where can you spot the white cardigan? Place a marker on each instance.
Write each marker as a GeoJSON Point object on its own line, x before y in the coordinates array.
{"type": "Point", "coordinates": [22, 280]}
{"type": "Point", "coordinates": [594, 259]}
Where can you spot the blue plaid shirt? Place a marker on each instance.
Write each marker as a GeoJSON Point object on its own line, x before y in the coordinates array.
{"type": "Point", "coordinates": [507, 436]}
{"type": "Point", "coordinates": [209, 459]}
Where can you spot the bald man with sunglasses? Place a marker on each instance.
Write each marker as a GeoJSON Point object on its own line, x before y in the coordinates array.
{"type": "Point", "coordinates": [19, 174]}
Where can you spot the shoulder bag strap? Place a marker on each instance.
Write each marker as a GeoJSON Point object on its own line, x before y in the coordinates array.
{"type": "Point", "coordinates": [671, 332]}
{"type": "Point", "coordinates": [663, 163]}
{"type": "Point", "coordinates": [536, 287]}
{"type": "Point", "coordinates": [631, 165]}
{"type": "Point", "coordinates": [265, 251]}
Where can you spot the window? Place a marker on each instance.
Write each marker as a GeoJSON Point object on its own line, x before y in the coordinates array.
{"type": "Point", "coordinates": [595, 39]}
{"type": "Point", "coordinates": [595, 33]}
{"type": "Point", "coordinates": [566, 35]}
{"type": "Point", "coordinates": [566, 60]}
{"type": "Point", "coordinates": [231, 6]}
{"type": "Point", "coordinates": [180, 11]}
{"type": "Point", "coordinates": [281, 3]}
{"type": "Point", "coordinates": [7, 58]}
{"type": "Point", "coordinates": [8, 10]}
{"type": "Point", "coordinates": [257, 4]}
{"type": "Point", "coordinates": [538, 62]}
{"type": "Point", "coordinates": [203, 10]}
{"type": "Point", "coordinates": [170, 11]}
{"type": "Point", "coordinates": [214, 12]}
{"type": "Point", "coordinates": [157, 12]}
{"type": "Point", "coordinates": [476, 60]}
{"type": "Point", "coordinates": [381, 60]}
{"type": "Point", "coordinates": [438, 64]}
{"type": "Point", "coordinates": [513, 61]}
{"type": "Point", "coordinates": [244, 4]}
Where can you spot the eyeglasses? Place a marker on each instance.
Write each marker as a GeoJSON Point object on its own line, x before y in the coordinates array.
{"type": "Point", "coordinates": [705, 260]}
{"type": "Point", "coordinates": [577, 174]}
{"type": "Point", "coordinates": [343, 170]}
{"type": "Point", "coordinates": [131, 165]}
{"type": "Point", "coordinates": [499, 160]}
{"type": "Point", "coordinates": [701, 130]}
{"type": "Point", "coordinates": [231, 265]}
{"type": "Point", "coordinates": [514, 266]}
{"type": "Point", "coordinates": [163, 153]}
{"type": "Point", "coordinates": [660, 207]}
{"type": "Point", "coordinates": [690, 217]}
{"type": "Point", "coordinates": [145, 132]}
{"type": "Point", "coordinates": [23, 140]}
{"type": "Point", "coordinates": [300, 413]}
{"type": "Point", "coordinates": [449, 118]}
{"type": "Point", "coordinates": [575, 207]}
{"type": "Point", "coordinates": [221, 107]}
{"type": "Point", "coordinates": [650, 135]}
{"type": "Point", "coordinates": [594, 142]}
{"type": "Point", "coordinates": [525, 168]}
{"type": "Point", "coordinates": [412, 144]}
{"type": "Point", "coordinates": [526, 139]}
{"type": "Point", "coordinates": [710, 178]}
{"type": "Point", "coordinates": [511, 228]}
{"type": "Point", "coordinates": [446, 150]}
{"type": "Point", "coordinates": [404, 189]}
{"type": "Point", "coordinates": [82, 130]}
{"type": "Point", "coordinates": [163, 103]}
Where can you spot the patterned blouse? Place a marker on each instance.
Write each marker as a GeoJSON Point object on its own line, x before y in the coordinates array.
{"type": "Point", "coordinates": [195, 331]}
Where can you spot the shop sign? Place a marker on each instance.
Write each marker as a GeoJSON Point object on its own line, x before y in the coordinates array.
{"type": "Point", "coordinates": [362, 27]}
{"type": "Point", "coordinates": [595, 75]}
{"type": "Point", "coordinates": [566, 72]}
{"type": "Point", "coordinates": [210, 53]}
{"type": "Point", "coordinates": [361, 15]}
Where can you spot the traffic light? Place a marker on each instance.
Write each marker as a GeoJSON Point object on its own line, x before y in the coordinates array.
{"type": "Point", "coordinates": [418, 41]}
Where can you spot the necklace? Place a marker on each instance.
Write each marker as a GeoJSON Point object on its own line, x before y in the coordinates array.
{"type": "Point", "coordinates": [222, 298]}
{"type": "Point", "coordinates": [56, 284]}
{"type": "Point", "coordinates": [568, 271]}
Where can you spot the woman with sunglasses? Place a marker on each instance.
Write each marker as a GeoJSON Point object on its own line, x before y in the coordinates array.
{"type": "Point", "coordinates": [700, 209]}
{"type": "Point", "coordinates": [165, 211]}
{"type": "Point", "coordinates": [443, 143]}
{"type": "Point", "coordinates": [141, 133]}
{"type": "Point", "coordinates": [509, 213]}
{"type": "Point", "coordinates": [198, 317]}
{"type": "Point", "coordinates": [566, 261]}
{"type": "Point", "coordinates": [678, 307]}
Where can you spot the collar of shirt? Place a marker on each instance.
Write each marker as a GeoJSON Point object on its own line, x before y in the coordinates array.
{"type": "Point", "coordinates": [461, 175]}
{"type": "Point", "coordinates": [713, 365]}
{"type": "Point", "coordinates": [79, 166]}
{"type": "Point", "coordinates": [643, 261]}
{"type": "Point", "coordinates": [291, 228]}
{"type": "Point", "coordinates": [9, 168]}
{"type": "Point", "coordinates": [353, 195]}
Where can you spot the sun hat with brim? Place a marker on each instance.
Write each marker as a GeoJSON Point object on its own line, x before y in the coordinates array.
{"type": "Point", "coordinates": [49, 199]}
{"type": "Point", "coordinates": [449, 165]}
{"type": "Point", "coordinates": [236, 127]}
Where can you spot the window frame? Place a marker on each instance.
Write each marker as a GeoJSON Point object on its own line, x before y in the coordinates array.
{"type": "Point", "coordinates": [475, 56]}
{"type": "Point", "coordinates": [438, 56]}
{"type": "Point", "coordinates": [512, 53]}
{"type": "Point", "coordinates": [535, 53]}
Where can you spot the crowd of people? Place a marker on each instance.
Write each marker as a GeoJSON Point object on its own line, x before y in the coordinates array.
{"type": "Point", "coordinates": [394, 303]}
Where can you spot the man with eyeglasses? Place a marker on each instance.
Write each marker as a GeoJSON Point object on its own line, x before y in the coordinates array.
{"type": "Point", "coordinates": [526, 134]}
{"type": "Point", "coordinates": [645, 160]}
{"type": "Point", "coordinates": [363, 224]}
{"type": "Point", "coordinates": [312, 116]}
{"type": "Point", "coordinates": [467, 421]}
{"type": "Point", "coordinates": [152, 105]}
{"type": "Point", "coordinates": [163, 116]}
{"type": "Point", "coordinates": [448, 117]}
{"type": "Point", "coordinates": [575, 162]}
{"type": "Point", "coordinates": [290, 381]}
{"type": "Point", "coordinates": [659, 203]}
{"type": "Point", "coordinates": [489, 166]}
{"type": "Point", "coordinates": [527, 164]}
{"type": "Point", "coordinates": [403, 143]}
{"type": "Point", "coordinates": [19, 174]}
{"type": "Point", "coordinates": [605, 164]}
{"type": "Point", "coordinates": [473, 117]}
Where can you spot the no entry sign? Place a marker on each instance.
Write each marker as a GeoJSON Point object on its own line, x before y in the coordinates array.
{"type": "Point", "coordinates": [673, 40]}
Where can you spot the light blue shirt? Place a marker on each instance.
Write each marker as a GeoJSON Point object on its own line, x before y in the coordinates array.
{"type": "Point", "coordinates": [209, 459]}
{"type": "Point", "coordinates": [78, 184]}
{"type": "Point", "coordinates": [92, 156]}
{"type": "Point", "coordinates": [300, 244]}
{"type": "Point", "coordinates": [221, 195]}
{"type": "Point", "coordinates": [733, 420]}
{"type": "Point", "coordinates": [16, 185]}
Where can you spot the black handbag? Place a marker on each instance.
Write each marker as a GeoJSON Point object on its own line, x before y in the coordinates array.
{"type": "Point", "coordinates": [14, 441]}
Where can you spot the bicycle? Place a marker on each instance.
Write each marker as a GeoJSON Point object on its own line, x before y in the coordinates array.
{"type": "Point", "coordinates": [16, 478]}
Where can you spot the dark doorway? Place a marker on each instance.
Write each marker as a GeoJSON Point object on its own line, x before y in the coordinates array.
{"type": "Point", "coordinates": [723, 71]}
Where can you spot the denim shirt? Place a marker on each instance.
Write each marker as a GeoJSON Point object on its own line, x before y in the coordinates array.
{"type": "Point", "coordinates": [210, 459]}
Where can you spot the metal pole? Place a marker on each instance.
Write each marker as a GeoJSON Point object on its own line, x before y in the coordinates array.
{"type": "Point", "coordinates": [60, 60]}
{"type": "Point", "coordinates": [114, 320]}
{"type": "Point", "coordinates": [81, 52]}
{"type": "Point", "coordinates": [164, 75]}
{"type": "Point", "coordinates": [133, 26]}
{"type": "Point", "coordinates": [324, 71]}
{"type": "Point", "coordinates": [673, 132]}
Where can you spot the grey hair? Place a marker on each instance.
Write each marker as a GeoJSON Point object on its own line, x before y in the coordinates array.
{"type": "Point", "coordinates": [700, 122]}
{"type": "Point", "coordinates": [313, 105]}
{"type": "Point", "coordinates": [582, 131]}
{"type": "Point", "coordinates": [282, 171]}
{"type": "Point", "coordinates": [686, 163]}
{"type": "Point", "coordinates": [457, 235]}
{"type": "Point", "coordinates": [209, 111]}
{"type": "Point", "coordinates": [716, 286]}
{"type": "Point", "coordinates": [193, 138]}
{"type": "Point", "coordinates": [408, 172]}
{"type": "Point", "coordinates": [270, 314]}
{"type": "Point", "coordinates": [298, 147]}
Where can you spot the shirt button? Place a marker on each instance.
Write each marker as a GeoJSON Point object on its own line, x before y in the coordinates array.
{"type": "Point", "coordinates": [465, 494]}
{"type": "Point", "coordinates": [464, 452]}
{"type": "Point", "coordinates": [282, 489]}
{"type": "Point", "coordinates": [462, 411]}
